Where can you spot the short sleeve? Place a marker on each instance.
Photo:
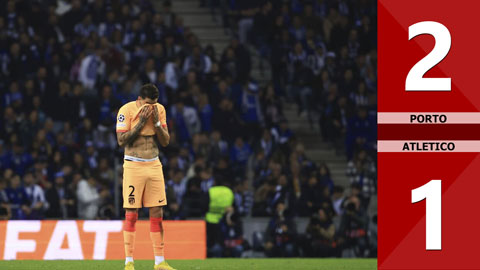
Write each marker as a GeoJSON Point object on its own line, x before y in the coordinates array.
{"type": "Point", "coordinates": [163, 116]}
{"type": "Point", "coordinates": [123, 120]}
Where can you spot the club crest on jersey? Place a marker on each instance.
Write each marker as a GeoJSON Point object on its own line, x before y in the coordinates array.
{"type": "Point", "coordinates": [121, 118]}
{"type": "Point", "coordinates": [131, 200]}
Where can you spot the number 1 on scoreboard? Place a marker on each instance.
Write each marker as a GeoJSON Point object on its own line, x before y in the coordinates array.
{"type": "Point", "coordinates": [432, 192]}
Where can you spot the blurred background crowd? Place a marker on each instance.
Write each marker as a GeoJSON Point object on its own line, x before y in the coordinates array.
{"type": "Point", "coordinates": [68, 66]}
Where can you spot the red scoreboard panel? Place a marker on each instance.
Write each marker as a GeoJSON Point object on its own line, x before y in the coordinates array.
{"type": "Point", "coordinates": [428, 134]}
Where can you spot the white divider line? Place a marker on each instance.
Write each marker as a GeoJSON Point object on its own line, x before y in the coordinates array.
{"type": "Point", "coordinates": [429, 146]}
{"type": "Point", "coordinates": [429, 117]}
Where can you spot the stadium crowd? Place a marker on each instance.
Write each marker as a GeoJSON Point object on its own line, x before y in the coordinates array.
{"type": "Point", "coordinates": [67, 67]}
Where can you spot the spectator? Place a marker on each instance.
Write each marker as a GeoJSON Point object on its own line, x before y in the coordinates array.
{"type": "Point", "coordinates": [194, 199]}
{"type": "Point", "coordinates": [91, 67]}
{"type": "Point", "coordinates": [5, 209]}
{"type": "Point", "coordinates": [218, 147]}
{"type": "Point", "coordinates": [338, 122]}
{"type": "Point", "coordinates": [207, 180]}
{"type": "Point", "coordinates": [89, 199]}
{"type": "Point", "coordinates": [36, 196]}
{"type": "Point", "coordinates": [197, 62]}
{"type": "Point", "coordinates": [60, 200]}
{"type": "Point", "coordinates": [149, 75]}
{"type": "Point", "coordinates": [360, 96]}
{"type": "Point", "coordinates": [325, 179]}
{"type": "Point", "coordinates": [353, 227]}
{"type": "Point", "coordinates": [220, 201]}
{"type": "Point", "coordinates": [85, 27]}
{"type": "Point", "coordinates": [227, 121]}
{"type": "Point", "coordinates": [362, 172]}
{"type": "Point", "coordinates": [243, 198]}
{"type": "Point", "coordinates": [178, 185]}
{"type": "Point", "coordinates": [245, 23]}
{"type": "Point", "coordinates": [320, 235]}
{"type": "Point", "coordinates": [239, 154]}
{"type": "Point", "coordinates": [282, 133]}
{"type": "Point", "coordinates": [271, 107]}
{"type": "Point", "coordinates": [223, 171]}
{"type": "Point", "coordinates": [297, 30]}
{"type": "Point", "coordinates": [280, 234]}
{"type": "Point", "coordinates": [105, 172]}
{"type": "Point", "coordinates": [338, 200]}
{"type": "Point", "coordinates": [173, 73]}
{"type": "Point", "coordinates": [263, 194]}
{"type": "Point", "coordinates": [205, 112]}
{"type": "Point", "coordinates": [18, 199]}
{"type": "Point", "coordinates": [91, 155]}
{"type": "Point", "coordinates": [251, 110]}
{"type": "Point", "coordinates": [266, 144]}
{"type": "Point", "coordinates": [172, 210]}
{"type": "Point", "coordinates": [18, 160]}
{"type": "Point", "coordinates": [228, 63]}
{"type": "Point", "coordinates": [186, 120]}
{"type": "Point", "coordinates": [232, 231]}
{"type": "Point", "coordinates": [107, 105]}
{"type": "Point", "coordinates": [243, 63]}
{"type": "Point", "coordinates": [312, 197]}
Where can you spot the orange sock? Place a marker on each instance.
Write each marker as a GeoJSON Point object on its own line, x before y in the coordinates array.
{"type": "Point", "coordinates": [129, 233]}
{"type": "Point", "coordinates": [156, 234]}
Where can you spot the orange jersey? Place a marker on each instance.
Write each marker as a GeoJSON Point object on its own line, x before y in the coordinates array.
{"type": "Point", "coordinates": [128, 117]}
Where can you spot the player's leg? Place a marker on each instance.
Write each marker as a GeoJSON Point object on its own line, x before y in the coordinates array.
{"type": "Point", "coordinates": [157, 236]}
{"type": "Point", "coordinates": [156, 233]}
{"type": "Point", "coordinates": [133, 187]}
{"type": "Point", "coordinates": [155, 198]}
{"type": "Point", "coordinates": [129, 231]}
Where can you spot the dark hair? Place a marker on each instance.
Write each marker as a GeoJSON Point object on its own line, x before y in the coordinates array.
{"type": "Point", "coordinates": [149, 91]}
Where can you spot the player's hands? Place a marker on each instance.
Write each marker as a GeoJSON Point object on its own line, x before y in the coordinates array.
{"type": "Point", "coordinates": [155, 114]}
{"type": "Point", "coordinates": [145, 113]}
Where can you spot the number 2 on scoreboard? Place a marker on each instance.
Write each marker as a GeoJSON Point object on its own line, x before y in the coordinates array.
{"type": "Point", "coordinates": [443, 42]}
{"type": "Point", "coordinates": [432, 192]}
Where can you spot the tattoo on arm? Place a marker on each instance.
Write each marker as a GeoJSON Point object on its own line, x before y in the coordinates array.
{"type": "Point", "coordinates": [163, 136]}
{"type": "Point", "coordinates": [129, 136]}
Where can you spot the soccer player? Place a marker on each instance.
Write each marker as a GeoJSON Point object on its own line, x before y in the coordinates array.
{"type": "Point", "coordinates": [140, 124]}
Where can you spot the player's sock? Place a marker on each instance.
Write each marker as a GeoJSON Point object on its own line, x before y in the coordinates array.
{"type": "Point", "coordinates": [156, 234]}
{"type": "Point", "coordinates": [129, 235]}
{"type": "Point", "coordinates": [159, 259]}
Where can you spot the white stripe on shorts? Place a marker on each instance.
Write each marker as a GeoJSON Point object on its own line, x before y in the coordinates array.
{"type": "Point", "coordinates": [136, 159]}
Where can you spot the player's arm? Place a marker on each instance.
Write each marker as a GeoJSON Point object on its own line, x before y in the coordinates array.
{"type": "Point", "coordinates": [161, 131]}
{"type": "Point", "coordinates": [124, 138]}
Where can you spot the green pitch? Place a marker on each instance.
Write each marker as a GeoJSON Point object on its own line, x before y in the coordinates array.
{"type": "Point", "coordinates": [209, 264]}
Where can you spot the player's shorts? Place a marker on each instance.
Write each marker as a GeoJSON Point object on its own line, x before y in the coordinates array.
{"type": "Point", "coordinates": [143, 184]}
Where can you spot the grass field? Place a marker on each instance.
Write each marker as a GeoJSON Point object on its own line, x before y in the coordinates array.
{"type": "Point", "coordinates": [260, 264]}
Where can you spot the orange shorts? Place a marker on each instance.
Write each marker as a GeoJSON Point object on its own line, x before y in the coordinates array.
{"type": "Point", "coordinates": [143, 184]}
